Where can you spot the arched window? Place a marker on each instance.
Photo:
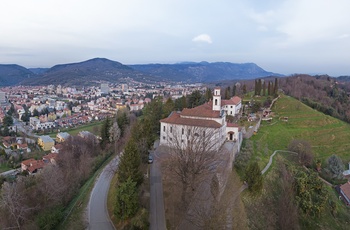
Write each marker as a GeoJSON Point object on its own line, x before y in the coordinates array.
{"type": "Point", "coordinates": [216, 101]}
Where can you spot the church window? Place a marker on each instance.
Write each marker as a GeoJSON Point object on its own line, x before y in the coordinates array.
{"type": "Point", "coordinates": [183, 131]}
{"type": "Point", "coordinates": [164, 128]}
{"type": "Point", "coordinates": [171, 129]}
{"type": "Point", "coordinates": [216, 101]}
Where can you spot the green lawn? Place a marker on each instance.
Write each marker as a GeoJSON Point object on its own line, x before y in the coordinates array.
{"type": "Point", "coordinates": [326, 134]}
{"type": "Point", "coordinates": [4, 168]}
{"type": "Point", "coordinates": [92, 127]}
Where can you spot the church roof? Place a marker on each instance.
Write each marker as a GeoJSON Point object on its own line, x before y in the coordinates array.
{"type": "Point", "coordinates": [232, 125]}
{"type": "Point", "coordinates": [175, 118]}
{"type": "Point", "coordinates": [233, 101]}
{"type": "Point", "coordinates": [204, 110]}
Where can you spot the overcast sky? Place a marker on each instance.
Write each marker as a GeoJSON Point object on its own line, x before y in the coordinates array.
{"type": "Point", "coordinates": [284, 36]}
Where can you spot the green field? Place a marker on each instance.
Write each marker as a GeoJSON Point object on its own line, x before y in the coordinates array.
{"type": "Point", "coordinates": [326, 134]}
{"type": "Point", "coordinates": [92, 127]}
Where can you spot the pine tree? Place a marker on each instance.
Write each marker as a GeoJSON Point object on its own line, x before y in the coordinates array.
{"type": "Point", "coordinates": [123, 121]}
{"type": "Point", "coordinates": [129, 165]}
{"type": "Point", "coordinates": [127, 200]}
{"type": "Point", "coordinates": [254, 178]}
{"type": "Point", "coordinates": [168, 107]}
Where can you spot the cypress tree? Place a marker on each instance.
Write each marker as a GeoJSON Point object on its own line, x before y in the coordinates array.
{"type": "Point", "coordinates": [264, 88]}
{"type": "Point", "coordinates": [259, 87]}
{"type": "Point", "coordinates": [244, 88]}
{"type": "Point", "coordinates": [276, 86]}
{"type": "Point", "coordinates": [234, 90]}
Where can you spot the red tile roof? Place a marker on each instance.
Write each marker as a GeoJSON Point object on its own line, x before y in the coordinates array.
{"type": "Point", "coordinates": [175, 118]}
{"type": "Point", "coordinates": [346, 189]}
{"type": "Point", "coordinates": [50, 156]}
{"type": "Point", "coordinates": [233, 101]}
{"type": "Point", "coordinates": [204, 110]}
{"type": "Point", "coordinates": [39, 164]}
{"type": "Point", "coordinates": [232, 125]}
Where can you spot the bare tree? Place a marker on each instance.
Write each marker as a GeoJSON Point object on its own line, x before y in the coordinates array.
{"type": "Point", "coordinates": [286, 208]}
{"type": "Point", "coordinates": [303, 148]}
{"type": "Point", "coordinates": [193, 152]}
{"type": "Point", "coordinates": [14, 202]}
{"type": "Point", "coordinates": [114, 132]}
{"type": "Point", "coordinates": [51, 185]}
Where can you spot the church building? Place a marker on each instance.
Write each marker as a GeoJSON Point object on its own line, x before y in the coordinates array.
{"type": "Point", "coordinates": [206, 122]}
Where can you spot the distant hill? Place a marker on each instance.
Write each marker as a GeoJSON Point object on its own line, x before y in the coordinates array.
{"type": "Point", "coordinates": [38, 70]}
{"type": "Point", "coordinates": [204, 71]}
{"type": "Point", "coordinates": [343, 78]}
{"type": "Point", "coordinates": [13, 74]}
{"type": "Point", "coordinates": [101, 69]}
{"type": "Point", "coordinates": [87, 72]}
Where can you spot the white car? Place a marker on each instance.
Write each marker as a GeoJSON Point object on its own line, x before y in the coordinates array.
{"type": "Point", "coordinates": [150, 159]}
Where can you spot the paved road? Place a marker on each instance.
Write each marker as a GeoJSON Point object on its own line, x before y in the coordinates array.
{"type": "Point", "coordinates": [157, 214]}
{"type": "Point", "coordinates": [98, 213]}
{"type": "Point", "coordinates": [10, 172]}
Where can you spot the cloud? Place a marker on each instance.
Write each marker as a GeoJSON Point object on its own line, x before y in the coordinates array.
{"type": "Point", "coordinates": [202, 38]}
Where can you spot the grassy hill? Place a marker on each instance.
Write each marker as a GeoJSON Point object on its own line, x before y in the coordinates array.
{"type": "Point", "coordinates": [327, 135]}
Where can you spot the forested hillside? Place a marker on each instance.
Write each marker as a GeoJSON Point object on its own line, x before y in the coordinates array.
{"type": "Point", "coordinates": [323, 93]}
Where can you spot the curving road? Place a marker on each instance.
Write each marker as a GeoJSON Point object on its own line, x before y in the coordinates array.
{"type": "Point", "coordinates": [271, 158]}
{"type": "Point", "coordinates": [98, 213]}
{"type": "Point", "coordinates": [157, 213]}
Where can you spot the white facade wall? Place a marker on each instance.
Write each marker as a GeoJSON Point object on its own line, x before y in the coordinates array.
{"type": "Point", "coordinates": [235, 135]}
{"type": "Point", "coordinates": [238, 108]}
{"type": "Point", "coordinates": [174, 134]}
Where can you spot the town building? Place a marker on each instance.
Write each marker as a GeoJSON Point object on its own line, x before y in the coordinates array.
{"type": "Point", "coordinates": [104, 88]}
{"type": "Point", "coordinates": [2, 97]}
{"type": "Point", "coordinates": [344, 191]}
{"type": "Point", "coordinates": [46, 142]}
{"type": "Point", "coordinates": [205, 122]}
{"type": "Point", "coordinates": [62, 136]}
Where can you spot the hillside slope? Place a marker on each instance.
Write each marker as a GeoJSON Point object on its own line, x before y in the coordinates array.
{"type": "Point", "coordinates": [204, 71]}
{"type": "Point", "coordinates": [88, 72]}
{"type": "Point", "coordinates": [13, 74]}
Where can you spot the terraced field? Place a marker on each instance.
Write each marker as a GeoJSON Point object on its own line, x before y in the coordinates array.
{"type": "Point", "coordinates": [326, 134]}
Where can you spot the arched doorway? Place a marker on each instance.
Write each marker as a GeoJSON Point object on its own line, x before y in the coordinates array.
{"type": "Point", "coordinates": [231, 135]}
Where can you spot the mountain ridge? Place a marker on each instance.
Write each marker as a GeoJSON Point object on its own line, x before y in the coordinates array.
{"type": "Point", "coordinates": [97, 70]}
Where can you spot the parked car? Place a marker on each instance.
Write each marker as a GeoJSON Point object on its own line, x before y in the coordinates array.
{"type": "Point", "coordinates": [150, 159]}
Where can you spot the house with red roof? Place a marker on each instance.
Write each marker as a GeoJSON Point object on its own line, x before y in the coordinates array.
{"type": "Point", "coordinates": [202, 121]}
{"type": "Point", "coordinates": [32, 166]}
{"type": "Point", "coordinates": [344, 191]}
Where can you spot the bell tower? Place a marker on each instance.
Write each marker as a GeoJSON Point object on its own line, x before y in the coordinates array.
{"type": "Point", "coordinates": [217, 100]}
